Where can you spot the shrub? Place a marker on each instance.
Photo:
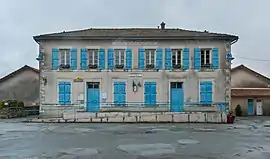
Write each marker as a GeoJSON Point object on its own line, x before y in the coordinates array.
{"type": "Point", "coordinates": [2, 105]}
{"type": "Point", "coordinates": [20, 104]}
{"type": "Point", "coordinates": [238, 110]}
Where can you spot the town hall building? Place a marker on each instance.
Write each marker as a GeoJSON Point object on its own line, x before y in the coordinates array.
{"type": "Point", "coordinates": [147, 68]}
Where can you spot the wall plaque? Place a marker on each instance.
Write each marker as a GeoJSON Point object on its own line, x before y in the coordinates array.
{"type": "Point", "coordinates": [78, 79]}
{"type": "Point", "coordinates": [135, 75]}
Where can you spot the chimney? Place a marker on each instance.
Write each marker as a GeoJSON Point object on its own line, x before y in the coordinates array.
{"type": "Point", "coordinates": [162, 25]}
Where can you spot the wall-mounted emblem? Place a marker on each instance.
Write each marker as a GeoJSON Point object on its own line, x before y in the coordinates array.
{"type": "Point", "coordinates": [78, 79]}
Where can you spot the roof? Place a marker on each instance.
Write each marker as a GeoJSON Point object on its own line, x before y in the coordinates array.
{"type": "Point", "coordinates": [243, 67]}
{"type": "Point", "coordinates": [135, 34]}
{"type": "Point", "coordinates": [12, 74]}
{"type": "Point", "coordinates": [249, 92]}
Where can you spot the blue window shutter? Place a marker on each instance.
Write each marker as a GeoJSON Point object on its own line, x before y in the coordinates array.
{"type": "Point", "coordinates": [186, 58]}
{"type": "Point", "coordinates": [116, 93]}
{"type": "Point", "coordinates": [159, 58]}
{"type": "Point", "coordinates": [147, 95]}
{"type": "Point", "coordinates": [83, 59]}
{"type": "Point", "coordinates": [153, 93]}
{"type": "Point", "coordinates": [209, 92]}
{"type": "Point", "coordinates": [101, 59]}
{"type": "Point", "coordinates": [73, 59]}
{"type": "Point", "coordinates": [122, 92]}
{"type": "Point", "coordinates": [202, 92]}
{"type": "Point", "coordinates": [168, 58]}
{"type": "Point", "coordinates": [141, 59]}
{"type": "Point", "coordinates": [128, 58]}
{"type": "Point", "coordinates": [61, 92]}
{"type": "Point", "coordinates": [215, 58]}
{"type": "Point", "coordinates": [110, 58]}
{"type": "Point", "coordinates": [55, 58]}
{"type": "Point", "coordinates": [197, 58]}
{"type": "Point", "coordinates": [67, 92]}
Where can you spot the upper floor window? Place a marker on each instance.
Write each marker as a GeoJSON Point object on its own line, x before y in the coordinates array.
{"type": "Point", "coordinates": [119, 56]}
{"type": "Point", "coordinates": [150, 58]}
{"type": "Point", "coordinates": [93, 58]}
{"type": "Point", "coordinates": [65, 56]}
{"type": "Point", "coordinates": [176, 58]}
{"type": "Point", "coordinates": [206, 61]}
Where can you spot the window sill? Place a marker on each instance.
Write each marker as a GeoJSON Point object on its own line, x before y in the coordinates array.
{"type": "Point", "coordinates": [206, 70]}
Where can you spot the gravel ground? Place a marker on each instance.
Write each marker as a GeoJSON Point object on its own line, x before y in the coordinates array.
{"type": "Point", "coordinates": [247, 139]}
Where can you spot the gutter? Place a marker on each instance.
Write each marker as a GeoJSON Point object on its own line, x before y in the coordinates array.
{"type": "Point", "coordinates": [232, 38]}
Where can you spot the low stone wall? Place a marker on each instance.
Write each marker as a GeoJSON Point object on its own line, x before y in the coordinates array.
{"type": "Point", "coordinates": [141, 117]}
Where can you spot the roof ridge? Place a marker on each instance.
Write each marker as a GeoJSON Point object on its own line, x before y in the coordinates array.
{"type": "Point", "coordinates": [18, 71]}
{"type": "Point", "coordinates": [251, 70]}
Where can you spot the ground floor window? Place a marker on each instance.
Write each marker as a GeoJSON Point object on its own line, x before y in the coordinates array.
{"type": "Point", "coordinates": [206, 92]}
{"type": "Point", "coordinates": [150, 93]}
{"type": "Point", "coordinates": [64, 92]}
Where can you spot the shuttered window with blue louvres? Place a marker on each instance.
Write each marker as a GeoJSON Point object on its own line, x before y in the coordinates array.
{"type": "Point", "coordinates": [73, 59]}
{"type": "Point", "coordinates": [101, 59]}
{"type": "Point", "coordinates": [141, 58]}
{"type": "Point", "coordinates": [159, 58]}
{"type": "Point", "coordinates": [64, 93]}
{"type": "Point", "coordinates": [61, 93]}
{"type": "Point", "coordinates": [215, 58]}
{"type": "Point", "coordinates": [206, 93]}
{"type": "Point", "coordinates": [55, 58]}
{"type": "Point", "coordinates": [168, 58]}
{"type": "Point", "coordinates": [186, 58]}
{"type": "Point", "coordinates": [83, 58]}
{"type": "Point", "coordinates": [128, 59]}
{"type": "Point", "coordinates": [110, 58]}
{"type": "Point", "coordinates": [197, 58]}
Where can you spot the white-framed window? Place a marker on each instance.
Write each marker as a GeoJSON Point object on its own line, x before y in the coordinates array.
{"type": "Point", "coordinates": [177, 57]}
{"type": "Point", "coordinates": [65, 56]}
{"type": "Point", "coordinates": [93, 56]}
{"type": "Point", "coordinates": [206, 60]}
{"type": "Point", "coordinates": [119, 57]}
{"type": "Point", "coordinates": [150, 57]}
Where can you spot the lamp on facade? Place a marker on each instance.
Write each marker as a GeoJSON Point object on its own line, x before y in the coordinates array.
{"type": "Point", "coordinates": [44, 78]}
{"type": "Point", "coordinates": [229, 57]}
{"type": "Point", "coordinates": [134, 86]}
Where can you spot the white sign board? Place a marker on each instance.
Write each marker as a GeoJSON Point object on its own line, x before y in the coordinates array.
{"type": "Point", "coordinates": [135, 75]}
{"type": "Point", "coordinates": [104, 95]}
{"type": "Point", "coordinates": [81, 96]}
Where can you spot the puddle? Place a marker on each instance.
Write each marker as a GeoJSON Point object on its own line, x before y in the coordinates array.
{"type": "Point", "coordinates": [77, 153]}
{"type": "Point", "coordinates": [241, 126]}
{"type": "Point", "coordinates": [205, 129]}
{"type": "Point", "coordinates": [148, 149]}
{"type": "Point", "coordinates": [187, 141]}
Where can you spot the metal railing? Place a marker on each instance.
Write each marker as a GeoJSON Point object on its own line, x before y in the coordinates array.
{"type": "Point", "coordinates": [50, 110]}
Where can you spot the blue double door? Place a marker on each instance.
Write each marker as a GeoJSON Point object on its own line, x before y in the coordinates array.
{"type": "Point", "coordinates": [93, 97]}
{"type": "Point", "coordinates": [177, 97]}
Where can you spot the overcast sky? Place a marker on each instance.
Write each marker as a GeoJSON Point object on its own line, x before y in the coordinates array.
{"type": "Point", "coordinates": [21, 19]}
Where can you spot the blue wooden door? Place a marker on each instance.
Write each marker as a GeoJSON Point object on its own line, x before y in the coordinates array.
{"type": "Point", "coordinates": [119, 93]}
{"type": "Point", "coordinates": [177, 97]}
{"type": "Point", "coordinates": [250, 107]}
{"type": "Point", "coordinates": [150, 93]}
{"type": "Point", "coordinates": [93, 97]}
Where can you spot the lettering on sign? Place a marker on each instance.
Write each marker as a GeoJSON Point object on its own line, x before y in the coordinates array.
{"type": "Point", "coordinates": [135, 43]}
{"type": "Point", "coordinates": [135, 75]}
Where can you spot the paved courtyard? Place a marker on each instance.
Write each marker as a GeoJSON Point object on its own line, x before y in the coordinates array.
{"type": "Point", "coordinates": [247, 139]}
